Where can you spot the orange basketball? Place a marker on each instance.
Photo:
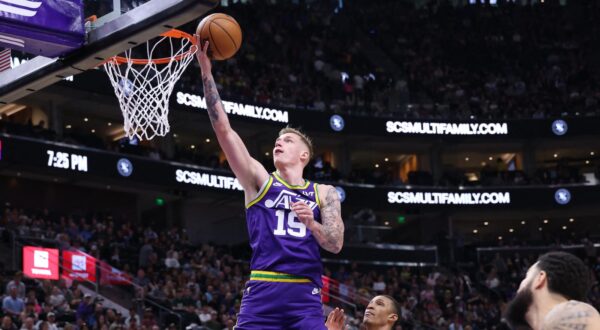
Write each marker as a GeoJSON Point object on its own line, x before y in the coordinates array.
{"type": "Point", "coordinates": [223, 34]}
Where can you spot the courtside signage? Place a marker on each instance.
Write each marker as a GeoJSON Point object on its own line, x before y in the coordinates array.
{"type": "Point", "coordinates": [79, 266]}
{"type": "Point", "coordinates": [437, 128]}
{"type": "Point", "coordinates": [448, 198]}
{"type": "Point", "coordinates": [40, 263]}
{"type": "Point", "coordinates": [237, 109]}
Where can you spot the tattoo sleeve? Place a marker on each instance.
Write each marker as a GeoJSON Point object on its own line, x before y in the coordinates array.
{"type": "Point", "coordinates": [213, 100]}
{"type": "Point", "coordinates": [330, 234]}
{"type": "Point", "coordinates": [573, 315]}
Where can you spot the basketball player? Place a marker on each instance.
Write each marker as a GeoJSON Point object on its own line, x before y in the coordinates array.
{"type": "Point", "coordinates": [381, 313]}
{"type": "Point", "coordinates": [336, 320]}
{"type": "Point", "coordinates": [288, 218]}
{"type": "Point", "coordinates": [551, 296]}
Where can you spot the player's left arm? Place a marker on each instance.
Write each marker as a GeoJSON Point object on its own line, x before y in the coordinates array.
{"type": "Point", "coordinates": [330, 232]}
{"type": "Point", "coordinates": [573, 315]}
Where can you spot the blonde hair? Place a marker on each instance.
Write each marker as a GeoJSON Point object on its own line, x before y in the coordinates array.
{"type": "Point", "coordinates": [305, 139]}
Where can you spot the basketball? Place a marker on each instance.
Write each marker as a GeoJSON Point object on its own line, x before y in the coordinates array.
{"type": "Point", "coordinates": [223, 34]}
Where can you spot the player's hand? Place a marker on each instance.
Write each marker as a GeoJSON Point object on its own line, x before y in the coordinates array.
{"type": "Point", "coordinates": [304, 213]}
{"type": "Point", "coordinates": [202, 56]}
{"type": "Point", "coordinates": [335, 319]}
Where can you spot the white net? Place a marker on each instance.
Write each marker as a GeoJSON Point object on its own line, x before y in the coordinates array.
{"type": "Point", "coordinates": [144, 87]}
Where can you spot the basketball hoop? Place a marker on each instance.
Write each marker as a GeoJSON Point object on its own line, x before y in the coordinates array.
{"type": "Point", "coordinates": [144, 86]}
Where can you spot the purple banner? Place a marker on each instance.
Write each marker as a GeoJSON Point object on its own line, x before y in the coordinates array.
{"type": "Point", "coordinates": [42, 27]}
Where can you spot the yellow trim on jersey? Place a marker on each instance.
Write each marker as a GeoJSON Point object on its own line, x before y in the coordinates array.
{"type": "Point", "coordinates": [289, 185]}
{"type": "Point", "coordinates": [262, 193]}
{"type": "Point", "coordinates": [279, 280]}
{"type": "Point", "coordinates": [267, 276]}
{"type": "Point", "coordinates": [317, 194]}
{"type": "Point", "coordinates": [267, 272]}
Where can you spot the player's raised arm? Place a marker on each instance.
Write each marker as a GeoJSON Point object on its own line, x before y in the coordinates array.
{"type": "Point", "coordinates": [249, 172]}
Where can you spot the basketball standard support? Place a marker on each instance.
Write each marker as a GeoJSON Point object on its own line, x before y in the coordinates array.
{"type": "Point", "coordinates": [124, 32]}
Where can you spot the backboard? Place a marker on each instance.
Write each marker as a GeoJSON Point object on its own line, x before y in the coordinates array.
{"type": "Point", "coordinates": [114, 26]}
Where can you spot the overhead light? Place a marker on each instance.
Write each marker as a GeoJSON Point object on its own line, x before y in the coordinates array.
{"type": "Point", "coordinates": [591, 153]}
{"type": "Point", "coordinates": [376, 165]}
{"type": "Point", "coordinates": [486, 223]}
{"type": "Point", "coordinates": [523, 222]}
{"type": "Point", "coordinates": [387, 159]}
{"type": "Point", "coordinates": [555, 155]}
{"type": "Point", "coordinates": [475, 231]}
{"type": "Point", "coordinates": [483, 163]}
{"type": "Point", "coordinates": [93, 130]}
{"type": "Point", "coordinates": [207, 140]}
{"type": "Point", "coordinates": [387, 223]}
{"type": "Point", "coordinates": [540, 228]}
{"type": "Point", "coordinates": [587, 161]}
{"type": "Point", "coordinates": [193, 146]}
{"type": "Point", "coordinates": [491, 158]}
{"type": "Point", "coordinates": [109, 123]}
{"type": "Point", "coordinates": [511, 230]}
{"type": "Point", "coordinates": [499, 238]}
{"type": "Point", "coordinates": [68, 127]}
{"type": "Point", "coordinates": [564, 227]}
{"type": "Point", "coordinates": [466, 159]}
{"type": "Point", "coordinates": [85, 119]}
{"type": "Point", "coordinates": [266, 153]}
{"type": "Point", "coordinates": [571, 220]}
{"type": "Point", "coordinates": [545, 220]}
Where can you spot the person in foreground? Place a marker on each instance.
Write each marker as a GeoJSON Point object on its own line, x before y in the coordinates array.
{"type": "Point", "coordinates": [552, 295]}
{"type": "Point", "coordinates": [382, 313]}
{"type": "Point", "coordinates": [287, 217]}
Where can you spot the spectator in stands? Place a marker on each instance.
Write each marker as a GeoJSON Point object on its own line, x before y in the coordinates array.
{"type": "Point", "coordinates": [7, 324]}
{"type": "Point", "coordinates": [31, 298]}
{"type": "Point", "coordinates": [17, 283]}
{"type": "Point", "coordinates": [85, 311]}
{"type": "Point", "coordinates": [29, 312]}
{"type": "Point", "coordinates": [171, 261]}
{"type": "Point", "coordinates": [42, 325]}
{"type": "Point", "coordinates": [57, 299]}
{"type": "Point", "coordinates": [13, 305]}
{"type": "Point", "coordinates": [28, 324]}
{"type": "Point", "coordinates": [141, 278]}
{"type": "Point", "coordinates": [50, 322]}
{"type": "Point", "coordinates": [148, 320]}
{"type": "Point", "coordinates": [132, 316]}
{"type": "Point", "coordinates": [145, 252]}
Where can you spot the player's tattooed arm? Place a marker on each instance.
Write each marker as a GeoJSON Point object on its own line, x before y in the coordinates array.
{"type": "Point", "coordinates": [333, 225]}
{"type": "Point", "coordinates": [330, 232]}
{"type": "Point", "coordinates": [250, 173]}
{"type": "Point", "coordinates": [573, 315]}
{"type": "Point", "coordinates": [213, 100]}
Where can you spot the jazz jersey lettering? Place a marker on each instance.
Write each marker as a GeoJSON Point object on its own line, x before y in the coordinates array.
{"type": "Point", "coordinates": [279, 241]}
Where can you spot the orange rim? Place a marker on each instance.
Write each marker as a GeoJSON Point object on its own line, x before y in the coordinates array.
{"type": "Point", "coordinates": [170, 34]}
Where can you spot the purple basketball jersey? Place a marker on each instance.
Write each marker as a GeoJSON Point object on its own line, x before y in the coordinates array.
{"type": "Point", "coordinates": [279, 241]}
